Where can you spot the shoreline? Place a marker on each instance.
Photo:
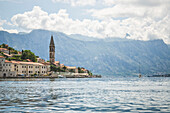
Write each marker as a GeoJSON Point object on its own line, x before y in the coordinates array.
{"type": "Point", "coordinates": [95, 76]}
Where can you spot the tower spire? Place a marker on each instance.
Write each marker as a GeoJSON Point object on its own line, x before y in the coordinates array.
{"type": "Point", "coordinates": [52, 41]}
{"type": "Point", "coordinates": [52, 50]}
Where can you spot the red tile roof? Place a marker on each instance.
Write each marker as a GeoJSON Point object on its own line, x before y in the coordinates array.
{"type": "Point", "coordinates": [2, 57]}
{"type": "Point", "coordinates": [68, 67]}
{"type": "Point", "coordinates": [7, 55]}
{"type": "Point", "coordinates": [28, 63]}
{"type": "Point", "coordinates": [6, 61]}
{"type": "Point", "coordinates": [29, 60]}
{"type": "Point", "coordinates": [3, 49]}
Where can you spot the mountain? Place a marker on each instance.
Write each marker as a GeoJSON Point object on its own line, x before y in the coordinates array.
{"type": "Point", "coordinates": [102, 56]}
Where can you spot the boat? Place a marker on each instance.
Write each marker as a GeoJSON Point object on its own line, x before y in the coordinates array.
{"type": "Point", "coordinates": [139, 72]}
{"type": "Point", "coordinates": [60, 76]}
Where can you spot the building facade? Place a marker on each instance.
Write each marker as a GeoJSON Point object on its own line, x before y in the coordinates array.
{"type": "Point", "coordinates": [29, 68]}
{"type": "Point", "coordinates": [52, 51]}
{"type": "Point", "coordinates": [5, 68]}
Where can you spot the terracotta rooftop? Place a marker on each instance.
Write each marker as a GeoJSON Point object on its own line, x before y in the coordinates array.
{"type": "Point", "coordinates": [3, 49]}
{"type": "Point", "coordinates": [56, 62]}
{"type": "Point", "coordinates": [46, 63]}
{"type": "Point", "coordinates": [61, 65]}
{"type": "Point", "coordinates": [29, 60]}
{"type": "Point", "coordinates": [6, 61]}
{"type": "Point", "coordinates": [7, 55]}
{"type": "Point", "coordinates": [27, 63]}
{"type": "Point", "coordinates": [2, 57]}
{"type": "Point", "coordinates": [68, 67]}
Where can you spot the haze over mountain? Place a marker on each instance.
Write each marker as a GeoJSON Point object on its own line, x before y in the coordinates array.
{"type": "Point", "coordinates": [103, 56]}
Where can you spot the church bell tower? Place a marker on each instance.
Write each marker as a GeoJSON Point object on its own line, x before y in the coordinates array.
{"type": "Point", "coordinates": [52, 51]}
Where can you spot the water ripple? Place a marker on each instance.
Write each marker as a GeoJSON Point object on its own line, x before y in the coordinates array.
{"type": "Point", "coordinates": [85, 95]}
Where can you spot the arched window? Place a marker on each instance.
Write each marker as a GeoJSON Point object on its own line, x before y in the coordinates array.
{"type": "Point", "coordinates": [4, 75]}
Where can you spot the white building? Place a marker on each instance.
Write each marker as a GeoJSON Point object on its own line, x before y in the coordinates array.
{"type": "Point", "coordinates": [29, 68]}
{"type": "Point", "coordinates": [5, 68]}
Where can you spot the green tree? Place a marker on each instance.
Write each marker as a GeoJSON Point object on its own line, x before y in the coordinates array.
{"type": "Point", "coordinates": [10, 49]}
{"type": "Point", "coordinates": [64, 68]}
{"type": "Point", "coordinates": [3, 45]}
{"type": "Point", "coordinates": [79, 70]}
{"type": "Point", "coordinates": [71, 70]}
{"type": "Point", "coordinates": [27, 54]}
{"type": "Point", "coordinates": [53, 68]}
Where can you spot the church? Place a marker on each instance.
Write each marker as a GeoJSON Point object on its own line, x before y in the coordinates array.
{"type": "Point", "coordinates": [57, 63]}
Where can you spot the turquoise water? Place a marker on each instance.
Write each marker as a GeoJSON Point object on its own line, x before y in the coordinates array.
{"type": "Point", "coordinates": [112, 94]}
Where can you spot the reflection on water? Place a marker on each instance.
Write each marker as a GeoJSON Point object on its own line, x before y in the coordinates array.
{"type": "Point", "coordinates": [85, 95]}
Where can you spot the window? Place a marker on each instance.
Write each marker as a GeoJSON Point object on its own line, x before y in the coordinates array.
{"type": "Point", "coordinates": [9, 64]}
{"type": "Point", "coordinates": [6, 64]}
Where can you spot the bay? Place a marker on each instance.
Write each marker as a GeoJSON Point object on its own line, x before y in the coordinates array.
{"type": "Point", "coordinates": [107, 94]}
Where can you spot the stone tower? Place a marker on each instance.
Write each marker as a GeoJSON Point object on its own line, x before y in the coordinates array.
{"type": "Point", "coordinates": [52, 51]}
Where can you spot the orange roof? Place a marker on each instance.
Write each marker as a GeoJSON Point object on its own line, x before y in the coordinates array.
{"type": "Point", "coordinates": [6, 61]}
{"type": "Point", "coordinates": [46, 63]}
{"type": "Point", "coordinates": [3, 49]}
{"type": "Point", "coordinates": [29, 60]}
{"type": "Point", "coordinates": [2, 57]}
{"type": "Point", "coordinates": [68, 67]}
{"type": "Point", "coordinates": [19, 52]}
{"type": "Point", "coordinates": [84, 69]}
{"type": "Point", "coordinates": [61, 65]}
{"type": "Point", "coordinates": [7, 55]}
{"type": "Point", "coordinates": [56, 62]}
{"type": "Point", "coordinates": [27, 63]}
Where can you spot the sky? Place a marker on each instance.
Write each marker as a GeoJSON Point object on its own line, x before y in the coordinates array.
{"type": "Point", "coordinates": [132, 19]}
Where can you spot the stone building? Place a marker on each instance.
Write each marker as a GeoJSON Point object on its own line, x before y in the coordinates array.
{"type": "Point", "coordinates": [5, 68]}
{"type": "Point", "coordinates": [52, 51]}
{"type": "Point", "coordinates": [29, 68]}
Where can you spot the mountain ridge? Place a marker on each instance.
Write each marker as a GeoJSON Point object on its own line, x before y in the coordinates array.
{"type": "Point", "coordinates": [118, 57]}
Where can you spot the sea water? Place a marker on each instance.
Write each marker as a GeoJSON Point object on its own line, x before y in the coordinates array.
{"type": "Point", "coordinates": [107, 94]}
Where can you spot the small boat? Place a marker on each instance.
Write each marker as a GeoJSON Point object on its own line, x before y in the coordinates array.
{"type": "Point", "coordinates": [139, 72]}
{"type": "Point", "coordinates": [60, 76]}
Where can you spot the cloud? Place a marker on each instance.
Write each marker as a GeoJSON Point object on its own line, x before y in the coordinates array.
{"type": "Point", "coordinates": [77, 2]}
{"type": "Point", "coordinates": [3, 22]}
{"type": "Point", "coordinates": [9, 30]}
{"type": "Point", "coordinates": [149, 3]}
{"type": "Point", "coordinates": [142, 19]}
{"type": "Point", "coordinates": [133, 8]}
{"type": "Point", "coordinates": [138, 28]}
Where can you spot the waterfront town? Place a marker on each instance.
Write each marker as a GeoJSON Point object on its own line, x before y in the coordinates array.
{"type": "Point", "coordinates": [19, 64]}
